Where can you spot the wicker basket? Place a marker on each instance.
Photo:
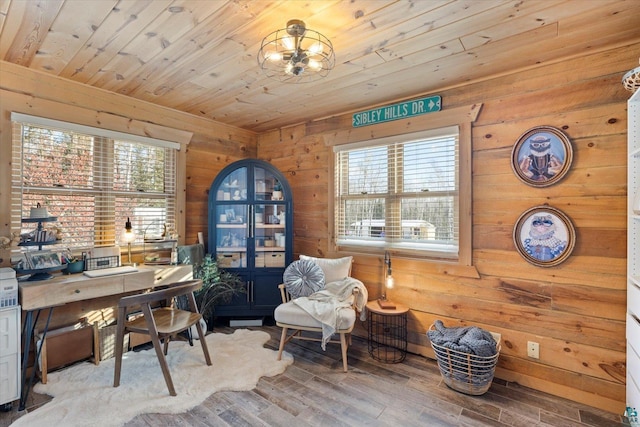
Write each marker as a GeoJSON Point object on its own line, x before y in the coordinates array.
{"type": "Point", "coordinates": [464, 372]}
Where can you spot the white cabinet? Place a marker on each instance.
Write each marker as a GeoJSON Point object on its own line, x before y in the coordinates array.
{"type": "Point", "coordinates": [9, 354]}
{"type": "Point", "coordinates": [633, 256]}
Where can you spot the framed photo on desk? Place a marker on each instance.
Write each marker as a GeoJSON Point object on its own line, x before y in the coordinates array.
{"type": "Point", "coordinates": [43, 259]}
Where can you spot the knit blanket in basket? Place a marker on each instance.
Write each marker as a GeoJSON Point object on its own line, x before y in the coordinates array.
{"type": "Point", "coordinates": [469, 339]}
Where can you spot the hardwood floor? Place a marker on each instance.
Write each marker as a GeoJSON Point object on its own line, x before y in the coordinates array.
{"type": "Point", "coordinates": [315, 392]}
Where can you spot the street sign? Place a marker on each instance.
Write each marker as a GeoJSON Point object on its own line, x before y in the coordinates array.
{"type": "Point", "coordinates": [401, 110]}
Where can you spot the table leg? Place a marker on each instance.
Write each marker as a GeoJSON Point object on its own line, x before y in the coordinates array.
{"type": "Point", "coordinates": [27, 332]}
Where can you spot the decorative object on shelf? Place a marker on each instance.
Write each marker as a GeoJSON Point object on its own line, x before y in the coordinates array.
{"type": "Point", "coordinates": [296, 54]}
{"type": "Point", "coordinates": [7, 242]}
{"type": "Point", "coordinates": [631, 80]}
{"type": "Point", "coordinates": [128, 236]}
{"type": "Point", "coordinates": [544, 236]}
{"type": "Point", "coordinates": [38, 212]}
{"type": "Point", "coordinates": [159, 248]}
{"type": "Point", "coordinates": [542, 156]}
{"type": "Point", "coordinates": [38, 264]}
{"type": "Point", "coordinates": [277, 191]}
{"type": "Point", "coordinates": [389, 282]}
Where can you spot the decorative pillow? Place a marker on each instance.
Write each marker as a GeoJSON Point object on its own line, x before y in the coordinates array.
{"type": "Point", "coordinates": [334, 268]}
{"type": "Point", "coordinates": [302, 278]}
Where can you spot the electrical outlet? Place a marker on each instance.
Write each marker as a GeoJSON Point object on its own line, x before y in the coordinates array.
{"type": "Point", "coordinates": [533, 350]}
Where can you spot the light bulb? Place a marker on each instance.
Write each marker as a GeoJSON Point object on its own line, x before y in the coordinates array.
{"type": "Point", "coordinates": [128, 235]}
{"type": "Point", "coordinates": [315, 48]}
{"type": "Point", "coordinates": [287, 42]}
{"type": "Point", "coordinates": [274, 56]}
{"type": "Point", "coordinates": [389, 282]}
{"type": "Point", "coordinates": [314, 65]}
{"type": "Point", "coordinates": [289, 68]}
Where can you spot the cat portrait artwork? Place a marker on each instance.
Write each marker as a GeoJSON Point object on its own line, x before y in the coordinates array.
{"type": "Point", "coordinates": [542, 156]}
{"type": "Point", "coordinates": [544, 236]}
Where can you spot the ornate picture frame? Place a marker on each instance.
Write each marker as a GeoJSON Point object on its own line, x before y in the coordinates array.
{"type": "Point", "coordinates": [542, 156]}
{"type": "Point", "coordinates": [544, 236]}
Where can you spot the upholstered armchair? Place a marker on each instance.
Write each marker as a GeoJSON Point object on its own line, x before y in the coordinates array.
{"type": "Point", "coordinates": [320, 299]}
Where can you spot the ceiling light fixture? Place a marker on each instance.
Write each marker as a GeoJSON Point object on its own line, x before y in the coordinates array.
{"type": "Point", "coordinates": [296, 54]}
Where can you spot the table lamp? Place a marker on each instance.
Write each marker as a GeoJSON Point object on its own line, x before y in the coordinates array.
{"type": "Point", "coordinates": [388, 284]}
{"type": "Point", "coordinates": [128, 237]}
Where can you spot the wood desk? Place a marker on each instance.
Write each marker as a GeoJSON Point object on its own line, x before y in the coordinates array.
{"type": "Point", "coordinates": [62, 289]}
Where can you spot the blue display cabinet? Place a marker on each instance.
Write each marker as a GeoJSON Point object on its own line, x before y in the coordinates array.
{"type": "Point", "coordinates": [251, 233]}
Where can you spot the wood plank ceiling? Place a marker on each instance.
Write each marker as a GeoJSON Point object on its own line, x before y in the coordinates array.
{"type": "Point", "coordinates": [200, 56]}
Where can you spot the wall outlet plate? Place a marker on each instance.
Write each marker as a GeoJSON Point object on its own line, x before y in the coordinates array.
{"type": "Point", "coordinates": [533, 349]}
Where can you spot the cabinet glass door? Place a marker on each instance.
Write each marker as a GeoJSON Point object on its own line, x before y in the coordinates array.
{"type": "Point", "coordinates": [266, 185]}
{"type": "Point", "coordinates": [270, 236]}
{"type": "Point", "coordinates": [234, 186]}
{"type": "Point", "coordinates": [231, 235]}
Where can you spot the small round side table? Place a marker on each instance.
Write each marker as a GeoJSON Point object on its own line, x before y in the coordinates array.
{"type": "Point", "coordinates": [387, 338]}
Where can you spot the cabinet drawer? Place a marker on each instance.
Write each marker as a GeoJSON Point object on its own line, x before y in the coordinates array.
{"type": "Point", "coordinates": [9, 331]}
{"type": "Point", "coordinates": [633, 298]}
{"type": "Point", "coordinates": [633, 368]}
{"type": "Point", "coordinates": [633, 332]}
{"type": "Point", "coordinates": [9, 378]}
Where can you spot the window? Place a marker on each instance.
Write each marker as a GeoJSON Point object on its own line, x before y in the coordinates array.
{"type": "Point", "coordinates": [400, 193]}
{"type": "Point", "coordinates": [92, 180]}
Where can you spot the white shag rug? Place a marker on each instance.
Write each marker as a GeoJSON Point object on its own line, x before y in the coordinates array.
{"type": "Point", "coordinates": [84, 395]}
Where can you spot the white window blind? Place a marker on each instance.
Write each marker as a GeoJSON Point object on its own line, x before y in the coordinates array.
{"type": "Point", "coordinates": [400, 193]}
{"type": "Point", "coordinates": [91, 181]}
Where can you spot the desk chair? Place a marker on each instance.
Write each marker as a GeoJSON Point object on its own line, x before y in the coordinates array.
{"type": "Point", "coordinates": [161, 323]}
{"type": "Point", "coordinates": [302, 278]}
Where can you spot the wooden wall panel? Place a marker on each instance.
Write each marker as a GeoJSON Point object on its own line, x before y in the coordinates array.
{"type": "Point", "coordinates": [574, 310]}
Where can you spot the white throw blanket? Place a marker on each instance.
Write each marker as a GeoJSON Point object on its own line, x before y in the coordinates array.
{"type": "Point", "coordinates": [324, 305]}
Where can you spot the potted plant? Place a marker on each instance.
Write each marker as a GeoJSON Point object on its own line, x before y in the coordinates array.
{"type": "Point", "coordinates": [277, 191]}
{"type": "Point", "coordinates": [218, 286]}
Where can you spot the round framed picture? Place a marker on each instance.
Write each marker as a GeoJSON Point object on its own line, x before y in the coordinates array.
{"type": "Point", "coordinates": [541, 156]}
{"type": "Point", "coordinates": [544, 236]}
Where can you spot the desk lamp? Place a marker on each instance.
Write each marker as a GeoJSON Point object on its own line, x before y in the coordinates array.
{"type": "Point", "coordinates": [388, 284]}
{"type": "Point", "coordinates": [128, 237]}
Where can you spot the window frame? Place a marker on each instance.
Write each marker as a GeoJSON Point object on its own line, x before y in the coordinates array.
{"type": "Point", "coordinates": [463, 117]}
{"type": "Point", "coordinates": [178, 141]}
{"type": "Point", "coordinates": [393, 195]}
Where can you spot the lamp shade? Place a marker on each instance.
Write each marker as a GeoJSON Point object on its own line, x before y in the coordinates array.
{"type": "Point", "coordinates": [296, 54]}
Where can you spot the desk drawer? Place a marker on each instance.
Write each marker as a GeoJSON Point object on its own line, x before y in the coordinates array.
{"type": "Point", "coordinates": [84, 290]}
{"type": "Point", "coordinates": [64, 289]}
{"type": "Point", "coordinates": [167, 274]}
